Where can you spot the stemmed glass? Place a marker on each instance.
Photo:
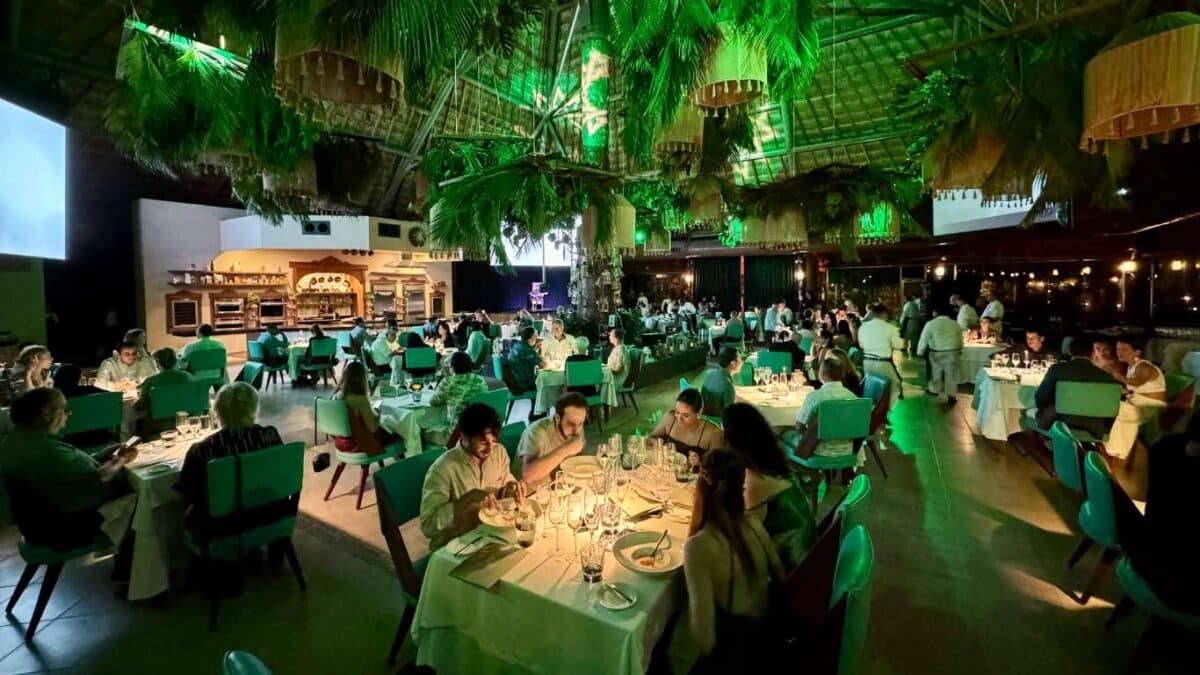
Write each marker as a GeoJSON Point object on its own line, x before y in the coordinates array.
{"type": "Point", "coordinates": [543, 497]}
{"type": "Point", "coordinates": [556, 512]}
{"type": "Point", "coordinates": [602, 455]}
{"type": "Point", "coordinates": [575, 507]}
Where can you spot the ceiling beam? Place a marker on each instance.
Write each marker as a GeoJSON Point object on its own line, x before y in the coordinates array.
{"type": "Point", "coordinates": [491, 89]}
{"type": "Point", "coordinates": [830, 143]}
{"type": "Point", "coordinates": [55, 61]}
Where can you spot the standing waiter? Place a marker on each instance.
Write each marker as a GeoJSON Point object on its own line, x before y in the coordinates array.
{"type": "Point", "coordinates": [943, 341]}
{"type": "Point", "coordinates": [878, 339]}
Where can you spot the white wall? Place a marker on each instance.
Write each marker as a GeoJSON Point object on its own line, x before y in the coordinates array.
{"type": "Point", "coordinates": [251, 232]}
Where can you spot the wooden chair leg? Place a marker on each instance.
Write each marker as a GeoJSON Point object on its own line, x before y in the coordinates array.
{"type": "Point", "coordinates": [1085, 543]}
{"type": "Point", "coordinates": [873, 446]}
{"type": "Point", "coordinates": [1102, 569]}
{"type": "Point", "coordinates": [289, 551]}
{"type": "Point", "coordinates": [22, 584]}
{"type": "Point", "coordinates": [48, 583]}
{"type": "Point", "coordinates": [362, 485]}
{"type": "Point", "coordinates": [398, 641]}
{"type": "Point", "coordinates": [337, 473]}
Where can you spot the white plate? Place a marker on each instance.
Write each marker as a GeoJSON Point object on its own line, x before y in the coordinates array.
{"type": "Point", "coordinates": [609, 599]}
{"type": "Point", "coordinates": [624, 547]}
{"type": "Point", "coordinates": [497, 519]}
{"type": "Point", "coordinates": [155, 469]}
{"type": "Point", "coordinates": [580, 467]}
{"type": "Point", "coordinates": [681, 497]}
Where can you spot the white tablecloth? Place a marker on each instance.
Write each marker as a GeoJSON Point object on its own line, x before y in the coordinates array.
{"type": "Point", "coordinates": [155, 513]}
{"type": "Point", "coordinates": [976, 357]}
{"type": "Point", "coordinates": [779, 413]}
{"type": "Point", "coordinates": [550, 384]}
{"type": "Point", "coordinates": [540, 617]}
{"type": "Point", "coordinates": [1001, 397]}
{"type": "Point", "coordinates": [402, 416]}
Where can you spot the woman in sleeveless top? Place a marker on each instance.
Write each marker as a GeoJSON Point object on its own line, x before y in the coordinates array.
{"type": "Point", "coordinates": [773, 493]}
{"type": "Point", "coordinates": [729, 565]}
{"type": "Point", "coordinates": [1147, 396]}
{"type": "Point", "coordinates": [368, 435]}
{"type": "Point", "coordinates": [692, 434]}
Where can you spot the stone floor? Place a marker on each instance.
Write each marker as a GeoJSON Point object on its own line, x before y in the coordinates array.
{"type": "Point", "coordinates": [970, 545]}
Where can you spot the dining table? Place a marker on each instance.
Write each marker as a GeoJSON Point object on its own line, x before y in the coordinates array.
{"type": "Point", "coordinates": [295, 354]}
{"type": "Point", "coordinates": [1002, 396]}
{"type": "Point", "coordinates": [780, 408]}
{"type": "Point", "coordinates": [975, 357]}
{"type": "Point", "coordinates": [552, 380]}
{"type": "Point", "coordinates": [540, 616]}
{"type": "Point", "coordinates": [407, 417]}
{"type": "Point", "coordinates": [154, 513]}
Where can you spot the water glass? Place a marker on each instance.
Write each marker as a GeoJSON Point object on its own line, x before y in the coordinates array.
{"type": "Point", "coordinates": [610, 516]}
{"type": "Point", "coordinates": [526, 528]}
{"type": "Point", "coordinates": [591, 560]}
{"type": "Point", "coordinates": [196, 424]}
{"type": "Point", "coordinates": [181, 422]}
{"type": "Point", "coordinates": [683, 469]}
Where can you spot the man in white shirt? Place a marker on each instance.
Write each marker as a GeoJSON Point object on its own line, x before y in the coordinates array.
{"type": "Point", "coordinates": [770, 321]}
{"type": "Point", "coordinates": [559, 346]}
{"type": "Point", "coordinates": [995, 312]}
{"type": "Point", "coordinates": [878, 338]}
{"type": "Point", "coordinates": [786, 316]}
{"type": "Point", "coordinates": [274, 344]}
{"type": "Point", "coordinates": [550, 440]}
{"type": "Point", "coordinates": [125, 365]}
{"type": "Point", "coordinates": [384, 348]}
{"type": "Point", "coordinates": [831, 374]}
{"type": "Point", "coordinates": [460, 481]}
{"type": "Point", "coordinates": [942, 340]}
{"type": "Point", "coordinates": [910, 323]}
{"type": "Point", "coordinates": [968, 318]}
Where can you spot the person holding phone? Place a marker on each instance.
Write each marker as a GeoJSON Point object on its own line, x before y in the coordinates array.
{"type": "Point", "coordinates": [56, 489]}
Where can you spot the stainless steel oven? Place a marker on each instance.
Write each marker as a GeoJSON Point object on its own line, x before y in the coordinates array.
{"type": "Point", "coordinates": [270, 311]}
{"type": "Point", "coordinates": [228, 306]}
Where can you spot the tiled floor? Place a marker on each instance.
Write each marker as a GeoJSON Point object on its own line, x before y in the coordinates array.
{"type": "Point", "coordinates": [970, 545]}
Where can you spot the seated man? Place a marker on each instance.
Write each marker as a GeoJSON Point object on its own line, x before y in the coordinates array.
{"type": "Point", "coordinates": [523, 361]}
{"type": "Point", "coordinates": [125, 365]}
{"type": "Point", "coordinates": [1079, 369]}
{"type": "Point", "coordinates": [167, 374]}
{"type": "Point", "coordinates": [559, 346]}
{"type": "Point", "coordinates": [717, 386]}
{"type": "Point", "coordinates": [204, 340]}
{"type": "Point", "coordinates": [550, 440]}
{"type": "Point", "coordinates": [56, 488]}
{"type": "Point", "coordinates": [429, 328]}
{"type": "Point", "coordinates": [384, 348]}
{"type": "Point", "coordinates": [1036, 347]}
{"type": "Point", "coordinates": [237, 408]}
{"type": "Point", "coordinates": [831, 374]}
{"type": "Point", "coordinates": [315, 333]}
{"type": "Point", "coordinates": [458, 389]}
{"type": "Point", "coordinates": [359, 335]}
{"type": "Point", "coordinates": [274, 343]}
{"type": "Point", "coordinates": [461, 480]}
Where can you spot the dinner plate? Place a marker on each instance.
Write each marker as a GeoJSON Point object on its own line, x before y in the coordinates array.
{"type": "Point", "coordinates": [680, 497]}
{"type": "Point", "coordinates": [155, 469]}
{"type": "Point", "coordinates": [498, 519]}
{"type": "Point", "coordinates": [610, 599]}
{"type": "Point", "coordinates": [580, 467]}
{"type": "Point", "coordinates": [626, 547]}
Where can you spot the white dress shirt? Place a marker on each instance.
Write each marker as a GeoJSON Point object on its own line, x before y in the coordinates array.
{"type": "Point", "coordinates": [879, 338]}
{"type": "Point", "coordinates": [941, 334]}
{"type": "Point", "coordinates": [558, 350]}
{"type": "Point", "coordinates": [994, 311]}
{"type": "Point", "coordinates": [968, 318]}
{"type": "Point", "coordinates": [451, 476]}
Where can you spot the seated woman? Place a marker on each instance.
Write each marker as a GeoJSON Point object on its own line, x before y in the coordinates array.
{"type": "Point", "coordinates": [1147, 396]}
{"type": "Point", "coordinates": [851, 379]}
{"type": "Point", "coordinates": [456, 391]}
{"type": "Point", "coordinates": [315, 334]}
{"type": "Point", "coordinates": [445, 335]}
{"type": "Point", "coordinates": [366, 431]}
{"type": "Point", "coordinates": [729, 565]}
{"type": "Point", "coordinates": [773, 492]}
{"type": "Point", "coordinates": [692, 434]}
{"type": "Point", "coordinates": [985, 333]}
{"type": "Point", "coordinates": [618, 359]}
{"type": "Point", "coordinates": [55, 488]}
{"type": "Point", "coordinates": [1104, 358]}
{"type": "Point", "coordinates": [31, 371]}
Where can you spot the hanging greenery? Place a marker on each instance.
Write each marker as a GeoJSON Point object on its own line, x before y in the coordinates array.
{"type": "Point", "coordinates": [661, 207]}
{"type": "Point", "coordinates": [451, 158]}
{"type": "Point", "coordinates": [522, 200]}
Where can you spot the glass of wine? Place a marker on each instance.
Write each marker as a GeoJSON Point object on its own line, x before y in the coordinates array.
{"type": "Point", "coordinates": [543, 497]}
{"type": "Point", "coordinates": [556, 513]}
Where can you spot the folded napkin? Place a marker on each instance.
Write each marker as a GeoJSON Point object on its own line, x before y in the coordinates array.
{"type": "Point", "coordinates": [485, 567]}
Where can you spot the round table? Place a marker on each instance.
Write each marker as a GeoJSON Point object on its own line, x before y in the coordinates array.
{"type": "Point", "coordinates": [778, 412]}
{"type": "Point", "coordinates": [295, 352]}
{"type": "Point", "coordinates": [407, 418]}
{"type": "Point", "coordinates": [1001, 397]}
{"type": "Point", "coordinates": [976, 357]}
{"type": "Point", "coordinates": [550, 384]}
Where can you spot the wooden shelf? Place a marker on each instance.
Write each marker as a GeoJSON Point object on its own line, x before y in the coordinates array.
{"type": "Point", "coordinates": [310, 294]}
{"type": "Point", "coordinates": [210, 287]}
{"type": "Point", "coordinates": [229, 274]}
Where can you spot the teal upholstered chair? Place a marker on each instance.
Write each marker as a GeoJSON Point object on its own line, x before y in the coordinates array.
{"type": "Point", "coordinates": [243, 663]}
{"type": "Point", "coordinates": [251, 374]}
{"type": "Point", "coordinates": [853, 505]}
{"type": "Point", "coordinates": [346, 347]}
{"type": "Point", "coordinates": [398, 489]}
{"type": "Point", "coordinates": [1065, 451]}
{"type": "Point", "coordinates": [496, 399]}
{"type": "Point", "coordinates": [274, 373]}
{"type": "Point", "coordinates": [684, 384]}
{"type": "Point", "coordinates": [332, 418]}
{"type": "Point", "coordinates": [778, 362]}
{"type": "Point", "coordinates": [1138, 592]}
{"type": "Point", "coordinates": [95, 412]}
{"type": "Point", "coordinates": [420, 361]}
{"type": "Point", "coordinates": [745, 377]}
{"type": "Point", "coordinates": [587, 373]}
{"type": "Point", "coordinates": [851, 598]}
{"type": "Point", "coordinates": [735, 336]}
{"type": "Point", "coordinates": [322, 358]}
{"type": "Point", "coordinates": [1098, 519]}
{"type": "Point", "coordinates": [208, 365]}
{"type": "Point", "coordinates": [878, 389]}
{"type": "Point", "coordinates": [629, 387]}
{"type": "Point", "coordinates": [166, 400]}
{"type": "Point", "coordinates": [845, 420]}
{"type": "Point", "coordinates": [1087, 399]}
{"type": "Point", "coordinates": [806, 344]}
{"type": "Point", "coordinates": [242, 483]}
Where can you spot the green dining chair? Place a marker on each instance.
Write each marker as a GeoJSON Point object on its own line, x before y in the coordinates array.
{"type": "Point", "coordinates": [538, 326]}
{"type": "Point", "coordinates": [1098, 519]}
{"type": "Point", "coordinates": [496, 399]}
{"type": "Point", "coordinates": [496, 366]}
{"type": "Point", "coordinates": [477, 348]}
{"type": "Point", "coordinates": [684, 385]}
{"type": "Point", "coordinates": [208, 365]}
{"type": "Point", "coordinates": [420, 362]}
{"type": "Point", "coordinates": [745, 376]}
{"type": "Point", "coordinates": [878, 389]}
{"type": "Point", "coordinates": [1087, 399]}
{"type": "Point", "coordinates": [587, 373]}
{"type": "Point", "coordinates": [398, 491]}
{"type": "Point", "coordinates": [254, 351]}
{"type": "Point", "coordinates": [514, 392]}
{"type": "Point", "coordinates": [1065, 451]}
{"type": "Point", "coordinates": [853, 506]}
{"type": "Point", "coordinates": [844, 420]}
{"type": "Point", "coordinates": [243, 663]}
{"type": "Point", "coordinates": [779, 362]}
{"type": "Point", "coordinates": [852, 597]}
{"type": "Point", "coordinates": [95, 412]}
{"type": "Point", "coordinates": [1137, 591]}
{"type": "Point", "coordinates": [332, 418]}
{"type": "Point", "coordinates": [806, 344]}
{"type": "Point", "coordinates": [629, 386]}
{"type": "Point", "coordinates": [735, 335]}
{"type": "Point", "coordinates": [190, 397]}
{"type": "Point", "coordinates": [322, 354]}
{"type": "Point", "coordinates": [251, 374]}
{"type": "Point", "coordinates": [244, 483]}
{"type": "Point", "coordinates": [346, 347]}
{"type": "Point", "coordinates": [510, 438]}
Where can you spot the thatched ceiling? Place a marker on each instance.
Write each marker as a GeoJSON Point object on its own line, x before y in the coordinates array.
{"type": "Point", "coordinates": [59, 57]}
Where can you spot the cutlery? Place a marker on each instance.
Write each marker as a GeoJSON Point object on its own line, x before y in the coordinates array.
{"type": "Point", "coordinates": [620, 593]}
{"type": "Point", "coordinates": [661, 539]}
{"type": "Point", "coordinates": [646, 515]}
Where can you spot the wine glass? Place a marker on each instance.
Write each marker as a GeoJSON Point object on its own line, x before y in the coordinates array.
{"type": "Point", "coordinates": [575, 507]}
{"type": "Point", "coordinates": [602, 456]}
{"type": "Point", "coordinates": [556, 513]}
{"type": "Point", "coordinates": [542, 497]}
{"type": "Point", "coordinates": [591, 515]}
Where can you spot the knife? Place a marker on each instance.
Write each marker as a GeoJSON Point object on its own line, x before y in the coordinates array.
{"type": "Point", "coordinates": [646, 515]}
{"type": "Point", "coordinates": [617, 589]}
